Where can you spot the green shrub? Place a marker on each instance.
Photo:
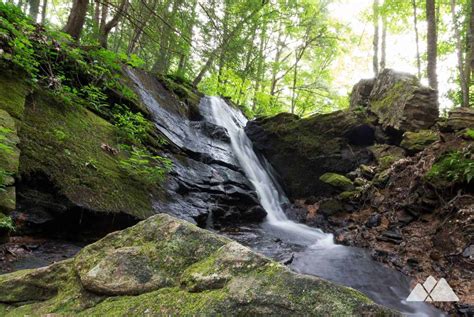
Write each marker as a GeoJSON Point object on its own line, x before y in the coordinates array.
{"type": "Point", "coordinates": [453, 167]}
{"type": "Point", "coordinates": [469, 133]}
{"type": "Point", "coordinates": [6, 223]}
{"type": "Point", "coordinates": [145, 167]}
{"type": "Point", "coordinates": [132, 127]}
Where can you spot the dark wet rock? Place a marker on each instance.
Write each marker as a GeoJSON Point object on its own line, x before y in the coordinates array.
{"type": "Point", "coordinates": [301, 150]}
{"type": "Point", "coordinates": [374, 221]}
{"type": "Point", "coordinates": [392, 235]}
{"type": "Point", "coordinates": [331, 206]}
{"type": "Point", "coordinates": [206, 185]}
{"type": "Point", "coordinates": [174, 267]}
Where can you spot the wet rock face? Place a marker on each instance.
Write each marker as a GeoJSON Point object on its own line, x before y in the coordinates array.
{"type": "Point", "coordinates": [174, 268]}
{"type": "Point", "coordinates": [302, 150]}
{"type": "Point", "coordinates": [207, 185]}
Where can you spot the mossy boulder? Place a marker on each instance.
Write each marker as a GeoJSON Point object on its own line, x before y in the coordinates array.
{"type": "Point", "coordinates": [206, 275]}
{"type": "Point", "coordinates": [337, 181]}
{"type": "Point", "coordinates": [9, 163]}
{"type": "Point", "coordinates": [13, 92]}
{"type": "Point", "coordinates": [385, 155]}
{"type": "Point", "coordinates": [303, 149]}
{"type": "Point", "coordinates": [401, 103]}
{"type": "Point", "coordinates": [415, 142]}
{"type": "Point", "coordinates": [67, 144]}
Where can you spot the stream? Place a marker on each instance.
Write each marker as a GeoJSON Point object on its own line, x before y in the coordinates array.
{"type": "Point", "coordinates": [307, 250]}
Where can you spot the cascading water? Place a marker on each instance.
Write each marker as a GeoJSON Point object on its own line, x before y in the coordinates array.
{"type": "Point", "coordinates": [270, 196]}
{"type": "Point", "coordinates": [320, 256]}
{"type": "Point", "coordinates": [312, 251]}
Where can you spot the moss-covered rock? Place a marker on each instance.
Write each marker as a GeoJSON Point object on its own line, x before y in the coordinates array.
{"type": "Point", "coordinates": [13, 92]}
{"type": "Point", "coordinates": [458, 119]}
{"type": "Point", "coordinates": [69, 144]}
{"type": "Point", "coordinates": [401, 103]}
{"type": "Point", "coordinates": [9, 163]}
{"type": "Point", "coordinates": [207, 275]}
{"type": "Point", "coordinates": [337, 181]}
{"type": "Point", "coordinates": [417, 141]}
{"type": "Point", "coordinates": [301, 150]}
{"type": "Point", "coordinates": [385, 155]}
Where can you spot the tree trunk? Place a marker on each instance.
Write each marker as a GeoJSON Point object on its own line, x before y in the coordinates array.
{"type": "Point", "coordinates": [383, 56]}
{"type": "Point", "coordinates": [417, 38]}
{"type": "Point", "coordinates": [469, 63]}
{"type": "Point", "coordinates": [432, 42]}
{"type": "Point", "coordinates": [77, 17]}
{"type": "Point", "coordinates": [97, 14]}
{"type": "Point", "coordinates": [106, 27]}
{"type": "Point", "coordinates": [459, 53]}
{"type": "Point", "coordinates": [44, 11]}
{"type": "Point", "coordinates": [375, 58]}
{"type": "Point", "coordinates": [34, 9]}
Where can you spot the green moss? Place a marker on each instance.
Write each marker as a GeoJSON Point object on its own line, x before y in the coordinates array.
{"type": "Point", "coordinates": [387, 161]}
{"type": "Point", "coordinates": [418, 141]}
{"type": "Point", "coordinates": [337, 181]}
{"type": "Point", "coordinates": [6, 223]}
{"type": "Point", "coordinates": [469, 133]}
{"type": "Point", "coordinates": [390, 108]}
{"type": "Point", "coordinates": [13, 92]}
{"type": "Point", "coordinates": [100, 186]}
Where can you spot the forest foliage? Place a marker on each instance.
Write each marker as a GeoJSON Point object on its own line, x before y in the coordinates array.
{"type": "Point", "coordinates": [267, 55]}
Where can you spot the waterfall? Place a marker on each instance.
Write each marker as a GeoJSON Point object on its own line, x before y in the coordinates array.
{"type": "Point", "coordinates": [271, 197]}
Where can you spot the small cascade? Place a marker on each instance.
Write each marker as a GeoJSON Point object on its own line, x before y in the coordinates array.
{"type": "Point", "coordinates": [270, 195]}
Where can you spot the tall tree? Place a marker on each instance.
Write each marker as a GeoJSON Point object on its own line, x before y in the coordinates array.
{"type": "Point", "coordinates": [44, 10]}
{"type": "Point", "coordinates": [76, 19]}
{"type": "Point", "coordinates": [225, 41]}
{"type": "Point", "coordinates": [459, 52]}
{"type": "Point", "coordinates": [432, 43]}
{"type": "Point", "coordinates": [34, 9]}
{"type": "Point", "coordinates": [469, 63]}
{"type": "Point", "coordinates": [417, 36]}
{"type": "Point", "coordinates": [383, 50]}
{"type": "Point", "coordinates": [375, 58]}
{"type": "Point", "coordinates": [106, 27]}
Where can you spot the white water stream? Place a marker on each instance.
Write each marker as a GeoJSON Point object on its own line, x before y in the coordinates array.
{"type": "Point", "coordinates": [320, 256]}
{"type": "Point", "coordinates": [270, 196]}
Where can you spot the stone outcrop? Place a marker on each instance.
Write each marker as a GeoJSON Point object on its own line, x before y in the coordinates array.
{"type": "Point", "coordinates": [172, 268]}
{"type": "Point", "coordinates": [302, 150]}
{"type": "Point", "coordinates": [398, 100]}
{"type": "Point", "coordinates": [458, 119]}
{"type": "Point", "coordinates": [12, 99]}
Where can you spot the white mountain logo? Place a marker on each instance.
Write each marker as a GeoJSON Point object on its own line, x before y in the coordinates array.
{"type": "Point", "coordinates": [432, 291]}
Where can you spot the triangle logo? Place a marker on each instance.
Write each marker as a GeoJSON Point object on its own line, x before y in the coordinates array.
{"type": "Point", "coordinates": [432, 291]}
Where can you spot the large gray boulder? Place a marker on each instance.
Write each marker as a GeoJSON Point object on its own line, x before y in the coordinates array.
{"type": "Point", "coordinates": [172, 267]}
{"type": "Point", "coordinates": [398, 100]}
